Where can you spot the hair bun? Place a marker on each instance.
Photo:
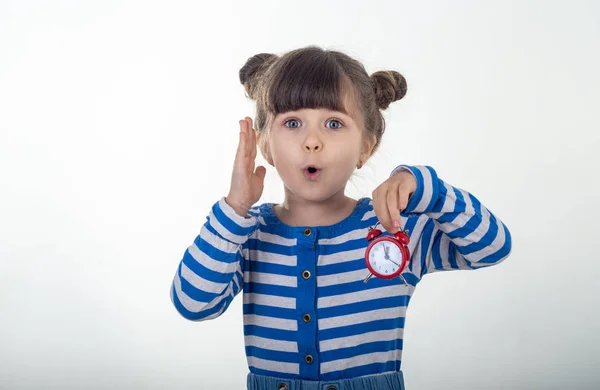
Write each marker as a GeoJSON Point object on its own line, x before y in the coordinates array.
{"type": "Point", "coordinates": [389, 86]}
{"type": "Point", "coordinates": [252, 70]}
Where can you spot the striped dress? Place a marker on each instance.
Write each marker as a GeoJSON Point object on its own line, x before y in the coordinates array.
{"type": "Point", "coordinates": [307, 312]}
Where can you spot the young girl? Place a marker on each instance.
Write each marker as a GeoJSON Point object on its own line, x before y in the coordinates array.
{"type": "Point", "coordinates": [310, 319]}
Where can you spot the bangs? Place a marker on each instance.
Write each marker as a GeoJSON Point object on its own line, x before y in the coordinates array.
{"type": "Point", "coordinates": [307, 80]}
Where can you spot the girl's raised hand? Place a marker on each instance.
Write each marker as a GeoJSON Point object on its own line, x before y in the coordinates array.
{"type": "Point", "coordinates": [246, 183]}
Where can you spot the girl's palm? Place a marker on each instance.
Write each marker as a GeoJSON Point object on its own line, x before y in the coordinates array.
{"type": "Point", "coordinates": [247, 183]}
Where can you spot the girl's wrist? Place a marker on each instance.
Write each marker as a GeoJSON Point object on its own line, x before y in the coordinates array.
{"type": "Point", "coordinates": [236, 206]}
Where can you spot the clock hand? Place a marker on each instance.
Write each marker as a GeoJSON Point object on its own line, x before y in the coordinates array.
{"type": "Point", "coordinates": [393, 261]}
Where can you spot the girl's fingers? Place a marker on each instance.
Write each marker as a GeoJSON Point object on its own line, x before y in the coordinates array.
{"type": "Point", "coordinates": [249, 137]}
{"type": "Point", "coordinates": [393, 210]}
{"type": "Point", "coordinates": [254, 144]}
{"type": "Point", "coordinates": [380, 207]}
{"type": "Point", "coordinates": [241, 159]}
{"type": "Point", "coordinates": [242, 142]}
{"type": "Point", "coordinates": [403, 199]}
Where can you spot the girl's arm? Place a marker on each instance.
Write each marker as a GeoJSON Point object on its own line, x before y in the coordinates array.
{"type": "Point", "coordinates": [456, 230]}
{"type": "Point", "coordinates": [210, 274]}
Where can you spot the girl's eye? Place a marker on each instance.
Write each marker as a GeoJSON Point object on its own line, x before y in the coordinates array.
{"type": "Point", "coordinates": [338, 126]}
{"type": "Point", "coordinates": [295, 124]}
{"type": "Point", "coordinates": [292, 121]}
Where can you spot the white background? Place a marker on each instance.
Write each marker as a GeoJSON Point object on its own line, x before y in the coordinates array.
{"type": "Point", "coordinates": [118, 128]}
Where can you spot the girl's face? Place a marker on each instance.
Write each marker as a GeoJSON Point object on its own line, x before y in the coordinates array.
{"type": "Point", "coordinates": [315, 151]}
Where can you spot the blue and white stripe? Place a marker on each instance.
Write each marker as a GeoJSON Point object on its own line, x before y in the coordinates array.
{"type": "Point", "coordinates": [355, 328]}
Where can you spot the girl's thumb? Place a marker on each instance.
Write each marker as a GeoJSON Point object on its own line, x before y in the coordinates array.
{"type": "Point", "coordinates": [260, 172]}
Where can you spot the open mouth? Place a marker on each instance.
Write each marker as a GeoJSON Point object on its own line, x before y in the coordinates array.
{"type": "Point", "coordinates": [311, 172]}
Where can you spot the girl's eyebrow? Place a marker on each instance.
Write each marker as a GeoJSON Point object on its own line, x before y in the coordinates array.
{"type": "Point", "coordinates": [344, 113]}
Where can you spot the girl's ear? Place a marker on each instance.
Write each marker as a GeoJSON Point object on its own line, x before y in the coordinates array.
{"type": "Point", "coordinates": [367, 150]}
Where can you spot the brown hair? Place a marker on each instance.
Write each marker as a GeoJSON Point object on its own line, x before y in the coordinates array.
{"type": "Point", "coordinates": [312, 77]}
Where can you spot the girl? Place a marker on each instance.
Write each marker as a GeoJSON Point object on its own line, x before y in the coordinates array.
{"type": "Point", "coordinates": [310, 319]}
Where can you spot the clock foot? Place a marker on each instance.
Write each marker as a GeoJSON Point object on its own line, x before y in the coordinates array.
{"type": "Point", "coordinates": [404, 280]}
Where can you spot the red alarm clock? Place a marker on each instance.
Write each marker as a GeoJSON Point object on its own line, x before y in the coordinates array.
{"type": "Point", "coordinates": [386, 256]}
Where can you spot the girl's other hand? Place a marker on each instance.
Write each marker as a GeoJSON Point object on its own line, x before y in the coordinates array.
{"type": "Point", "coordinates": [246, 183]}
{"type": "Point", "coordinates": [391, 197]}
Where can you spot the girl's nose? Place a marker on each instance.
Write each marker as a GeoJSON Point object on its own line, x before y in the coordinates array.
{"type": "Point", "coordinates": [312, 147]}
{"type": "Point", "coordinates": [312, 143]}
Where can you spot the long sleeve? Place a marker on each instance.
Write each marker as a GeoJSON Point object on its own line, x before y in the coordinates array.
{"type": "Point", "coordinates": [456, 230]}
{"type": "Point", "coordinates": [210, 274]}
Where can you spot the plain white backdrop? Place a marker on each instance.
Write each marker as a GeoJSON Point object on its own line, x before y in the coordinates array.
{"type": "Point", "coordinates": [118, 129]}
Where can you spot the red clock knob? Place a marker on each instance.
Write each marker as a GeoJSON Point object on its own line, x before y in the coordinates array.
{"type": "Point", "coordinates": [372, 234]}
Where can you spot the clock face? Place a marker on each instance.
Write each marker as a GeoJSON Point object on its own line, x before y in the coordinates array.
{"type": "Point", "coordinates": [385, 257]}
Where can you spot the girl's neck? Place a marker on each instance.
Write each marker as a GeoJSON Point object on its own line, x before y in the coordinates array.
{"type": "Point", "coordinates": [295, 211]}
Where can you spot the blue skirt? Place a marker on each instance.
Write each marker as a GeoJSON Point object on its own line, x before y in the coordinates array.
{"type": "Point", "coordinates": [390, 381]}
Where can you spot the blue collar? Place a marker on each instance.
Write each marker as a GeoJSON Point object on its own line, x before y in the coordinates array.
{"type": "Point", "coordinates": [351, 222]}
